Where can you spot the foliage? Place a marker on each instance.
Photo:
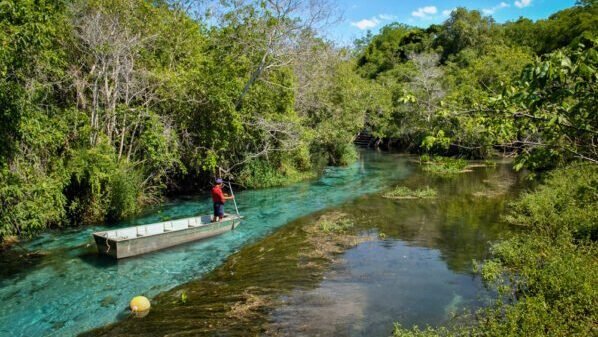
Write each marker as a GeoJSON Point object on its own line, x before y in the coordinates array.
{"type": "Point", "coordinates": [489, 92]}
{"type": "Point", "coordinates": [336, 112]}
{"type": "Point", "coordinates": [545, 276]}
{"type": "Point", "coordinates": [474, 76]}
{"type": "Point", "coordinates": [261, 174]}
{"type": "Point", "coordinates": [553, 107]}
{"type": "Point", "coordinates": [415, 331]}
{"type": "Point", "coordinates": [562, 204]}
{"type": "Point", "coordinates": [550, 271]}
{"type": "Point", "coordinates": [390, 47]}
{"type": "Point", "coordinates": [30, 200]}
{"type": "Point", "coordinates": [464, 29]}
{"type": "Point", "coordinates": [402, 192]}
{"type": "Point", "coordinates": [106, 105]}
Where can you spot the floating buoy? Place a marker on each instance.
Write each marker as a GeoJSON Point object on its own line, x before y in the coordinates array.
{"type": "Point", "coordinates": [139, 304]}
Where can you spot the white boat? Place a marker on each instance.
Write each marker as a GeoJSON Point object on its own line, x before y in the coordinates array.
{"type": "Point", "coordinates": [131, 241]}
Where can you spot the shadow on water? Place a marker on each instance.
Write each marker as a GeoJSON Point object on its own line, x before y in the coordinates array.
{"type": "Point", "coordinates": [15, 261]}
{"type": "Point", "coordinates": [99, 261]}
{"type": "Point", "coordinates": [415, 270]}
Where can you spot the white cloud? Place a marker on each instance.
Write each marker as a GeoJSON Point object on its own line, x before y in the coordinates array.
{"type": "Point", "coordinates": [523, 3]}
{"type": "Point", "coordinates": [366, 23]}
{"type": "Point", "coordinates": [448, 12]}
{"type": "Point", "coordinates": [424, 12]}
{"type": "Point", "coordinates": [373, 21]}
{"type": "Point", "coordinates": [501, 5]}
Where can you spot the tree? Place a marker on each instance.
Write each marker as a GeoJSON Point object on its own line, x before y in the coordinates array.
{"type": "Point", "coordinates": [269, 31]}
{"type": "Point", "coordinates": [553, 107]}
{"type": "Point", "coordinates": [391, 47]}
{"type": "Point", "coordinates": [464, 29]}
{"type": "Point", "coordinates": [425, 86]}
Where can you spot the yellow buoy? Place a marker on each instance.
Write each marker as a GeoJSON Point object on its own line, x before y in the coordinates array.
{"type": "Point", "coordinates": [139, 304]}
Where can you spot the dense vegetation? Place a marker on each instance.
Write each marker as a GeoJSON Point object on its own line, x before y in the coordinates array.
{"type": "Point", "coordinates": [107, 105]}
{"type": "Point", "coordinates": [472, 87]}
{"type": "Point", "coordinates": [547, 276]}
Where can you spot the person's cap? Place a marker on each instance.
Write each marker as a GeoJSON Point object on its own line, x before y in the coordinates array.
{"type": "Point", "coordinates": [218, 180]}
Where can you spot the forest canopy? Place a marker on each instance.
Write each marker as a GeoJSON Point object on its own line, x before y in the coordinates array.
{"type": "Point", "coordinates": [472, 87]}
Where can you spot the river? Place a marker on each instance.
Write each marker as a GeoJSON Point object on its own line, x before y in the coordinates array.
{"type": "Point", "coordinates": [417, 271]}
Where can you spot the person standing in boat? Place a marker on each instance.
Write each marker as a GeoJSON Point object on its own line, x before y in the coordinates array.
{"type": "Point", "coordinates": [219, 198]}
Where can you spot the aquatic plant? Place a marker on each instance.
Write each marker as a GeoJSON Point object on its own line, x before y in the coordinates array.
{"type": "Point", "coordinates": [402, 192]}
{"type": "Point", "coordinates": [250, 305]}
{"type": "Point", "coordinates": [228, 300]}
{"type": "Point", "coordinates": [184, 297]}
{"type": "Point", "coordinates": [444, 165]}
{"type": "Point", "coordinates": [335, 225]}
{"type": "Point", "coordinates": [489, 163]}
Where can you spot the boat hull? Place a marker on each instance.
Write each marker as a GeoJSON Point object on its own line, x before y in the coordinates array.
{"type": "Point", "coordinates": [122, 248]}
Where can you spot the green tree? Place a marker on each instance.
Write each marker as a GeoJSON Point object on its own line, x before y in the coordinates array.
{"type": "Point", "coordinates": [553, 108]}
{"type": "Point", "coordinates": [464, 29]}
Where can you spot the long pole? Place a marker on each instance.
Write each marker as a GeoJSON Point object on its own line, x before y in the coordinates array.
{"type": "Point", "coordinates": [234, 199]}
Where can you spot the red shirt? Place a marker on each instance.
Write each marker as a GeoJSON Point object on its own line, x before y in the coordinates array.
{"type": "Point", "coordinates": [217, 195]}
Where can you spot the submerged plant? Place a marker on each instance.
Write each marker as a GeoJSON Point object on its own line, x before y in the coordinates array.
{"type": "Point", "coordinates": [335, 226]}
{"type": "Point", "coordinates": [184, 297]}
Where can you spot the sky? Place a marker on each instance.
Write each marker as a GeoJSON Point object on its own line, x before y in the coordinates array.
{"type": "Point", "coordinates": [359, 16]}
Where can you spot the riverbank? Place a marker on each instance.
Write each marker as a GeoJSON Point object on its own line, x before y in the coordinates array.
{"type": "Point", "coordinates": [545, 276]}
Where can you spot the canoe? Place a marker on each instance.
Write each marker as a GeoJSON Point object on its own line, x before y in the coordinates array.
{"type": "Point", "coordinates": [131, 241]}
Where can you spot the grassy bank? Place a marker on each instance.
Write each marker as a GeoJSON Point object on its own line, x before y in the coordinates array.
{"type": "Point", "coordinates": [546, 277]}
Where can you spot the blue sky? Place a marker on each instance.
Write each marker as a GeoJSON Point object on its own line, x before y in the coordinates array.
{"type": "Point", "coordinates": [362, 15]}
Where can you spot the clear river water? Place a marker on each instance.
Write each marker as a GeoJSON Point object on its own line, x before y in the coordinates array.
{"type": "Point", "coordinates": [417, 272]}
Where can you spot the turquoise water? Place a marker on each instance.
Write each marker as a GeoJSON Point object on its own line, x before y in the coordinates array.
{"type": "Point", "coordinates": [72, 289]}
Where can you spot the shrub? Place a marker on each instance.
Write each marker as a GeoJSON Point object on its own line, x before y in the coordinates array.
{"type": "Point", "coordinates": [125, 193]}
{"type": "Point", "coordinates": [546, 276]}
{"type": "Point", "coordinates": [262, 174]}
{"type": "Point", "coordinates": [562, 204]}
{"type": "Point", "coordinates": [29, 201]}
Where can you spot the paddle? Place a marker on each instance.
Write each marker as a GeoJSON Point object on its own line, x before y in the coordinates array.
{"type": "Point", "coordinates": [234, 199]}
